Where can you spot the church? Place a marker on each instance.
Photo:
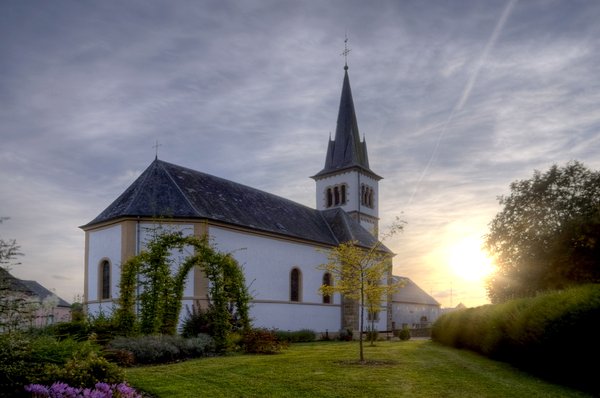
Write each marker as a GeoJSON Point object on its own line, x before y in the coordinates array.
{"type": "Point", "coordinates": [278, 242]}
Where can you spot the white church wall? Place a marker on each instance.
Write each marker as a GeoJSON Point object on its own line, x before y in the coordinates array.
{"type": "Point", "coordinates": [104, 244]}
{"type": "Point", "coordinates": [267, 264]}
{"type": "Point", "coordinates": [148, 231]}
{"type": "Point", "coordinates": [338, 179]}
{"type": "Point", "coordinates": [353, 180]}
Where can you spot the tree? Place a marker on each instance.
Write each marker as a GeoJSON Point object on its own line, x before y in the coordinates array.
{"type": "Point", "coordinates": [9, 250]}
{"type": "Point", "coordinates": [16, 308]}
{"type": "Point", "coordinates": [547, 235]}
{"type": "Point", "coordinates": [362, 274]}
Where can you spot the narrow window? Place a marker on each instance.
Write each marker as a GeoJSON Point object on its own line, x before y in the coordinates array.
{"type": "Point", "coordinates": [371, 197]}
{"type": "Point", "coordinates": [295, 285]}
{"type": "Point", "coordinates": [327, 282]}
{"type": "Point", "coordinates": [329, 198]}
{"type": "Point", "coordinates": [373, 316]}
{"type": "Point", "coordinates": [105, 280]}
{"type": "Point", "coordinates": [343, 189]}
{"type": "Point", "coordinates": [362, 194]}
{"type": "Point", "coordinates": [336, 195]}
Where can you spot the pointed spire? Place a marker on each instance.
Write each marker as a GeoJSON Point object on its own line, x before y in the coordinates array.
{"type": "Point", "coordinates": [346, 150]}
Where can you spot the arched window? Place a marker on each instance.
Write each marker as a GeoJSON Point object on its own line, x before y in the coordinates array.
{"type": "Point", "coordinates": [295, 285]}
{"type": "Point", "coordinates": [336, 195]}
{"type": "Point", "coordinates": [367, 196]}
{"type": "Point", "coordinates": [327, 282]}
{"type": "Point", "coordinates": [105, 280]}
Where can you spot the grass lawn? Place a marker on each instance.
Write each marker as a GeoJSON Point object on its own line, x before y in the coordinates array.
{"type": "Point", "coordinates": [414, 368]}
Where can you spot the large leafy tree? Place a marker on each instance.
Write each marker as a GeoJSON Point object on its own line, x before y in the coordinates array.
{"type": "Point", "coordinates": [362, 274]}
{"type": "Point", "coordinates": [547, 236]}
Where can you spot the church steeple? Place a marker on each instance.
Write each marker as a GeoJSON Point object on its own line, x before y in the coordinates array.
{"type": "Point", "coordinates": [347, 180]}
{"type": "Point", "coordinates": [346, 150]}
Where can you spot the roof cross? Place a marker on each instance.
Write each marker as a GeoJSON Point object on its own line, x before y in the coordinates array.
{"type": "Point", "coordinates": [346, 52]}
{"type": "Point", "coordinates": [155, 146]}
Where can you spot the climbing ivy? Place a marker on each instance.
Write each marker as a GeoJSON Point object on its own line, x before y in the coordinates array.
{"type": "Point", "coordinates": [162, 289]}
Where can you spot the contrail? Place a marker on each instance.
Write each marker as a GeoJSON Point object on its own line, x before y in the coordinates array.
{"type": "Point", "coordinates": [467, 90]}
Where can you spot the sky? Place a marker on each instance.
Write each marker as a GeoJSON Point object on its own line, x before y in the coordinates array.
{"type": "Point", "coordinates": [456, 100]}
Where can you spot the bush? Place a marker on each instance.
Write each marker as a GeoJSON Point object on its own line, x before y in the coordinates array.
{"type": "Point", "coordinates": [345, 335]}
{"type": "Point", "coordinates": [103, 329]}
{"type": "Point", "coordinates": [299, 336]}
{"type": "Point", "coordinates": [83, 372]}
{"type": "Point", "coordinates": [404, 333]}
{"type": "Point", "coordinates": [26, 359]}
{"type": "Point", "coordinates": [160, 349]}
{"type": "Point", "coordinates": [262, 341]}
{"type": "Point", "coordinates": [196, 322]}
{"type": "Point", "coordinates": [536, 334]}
{"type": "Point", "coordinates": [16, 369]}
{"type": "Point", "coordinates": [77, 330]}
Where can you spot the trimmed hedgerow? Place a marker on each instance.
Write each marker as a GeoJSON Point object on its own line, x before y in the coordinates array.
{"type": "Point", "coordinates": [160, 348]}
{"type": "Point", "coordinates": [553, 334]}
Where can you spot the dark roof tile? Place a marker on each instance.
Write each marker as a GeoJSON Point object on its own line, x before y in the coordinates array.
{"type": "Point", "coordinates": [168, 190]}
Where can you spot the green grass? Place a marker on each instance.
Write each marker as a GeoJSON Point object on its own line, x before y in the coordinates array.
{"type": "Point", "coordinates": [415, 368]}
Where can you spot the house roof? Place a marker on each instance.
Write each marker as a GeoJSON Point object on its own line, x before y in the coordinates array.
{"type": "Point", "coordinates": [168, 190]}
{"type": "Point", "coordinates": [411, 293]}
{"type": "Point", "coordinates": [31, 288]}
{"type": "Point", "coordinates": [43, 293]}
{"type": "Point", "coordinates": [346, 150]}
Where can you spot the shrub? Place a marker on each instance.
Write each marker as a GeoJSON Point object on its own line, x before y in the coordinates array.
{"type": "Point", "coordinates": [535, 333]}
{"type": "Point", "coordinates": [103, 329]}
{"type": "Point", "coordinates": [48, 349]}
{"type": "Point", "coordinates": [83, 372]}
{"type": "Point", "coordinates": [262, 341]}
{"type": "Point", "coordinates": [298, 336]}
{"type": "Point", "coordinates": [44, 359]}
{"type": "Point", "coordinates": [161, 349]}
{"type": "Point", "coordinates": [345, 335]}
{"type": "Point", "coordinates": [197, 321]}
{"type": "Point", "coordinates": [16, 369]}
{"type": "Point", "coordinates": [79, 330]}
{"type": "Point", "coordinates": [404, 334]}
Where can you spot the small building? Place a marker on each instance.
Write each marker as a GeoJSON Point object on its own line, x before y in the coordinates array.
{"type": "Point", "coordinates": [28, 303]}
{"type": "Point", "coordinates": [412, 307]}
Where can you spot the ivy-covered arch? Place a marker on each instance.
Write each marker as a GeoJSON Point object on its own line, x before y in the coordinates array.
{"type": "Point", "coordinates": [162, 290]}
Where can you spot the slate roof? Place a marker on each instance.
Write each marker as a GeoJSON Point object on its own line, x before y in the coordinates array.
{"type": "Point", "coordinates": [31, 288]}
{"type": "Point", "coordinates": [411, 293]}
{"type": "Point", "coordinates": [168, 190]}
{"type": "Point", "coordinates": [42, 293]}
{"type": "Point", "coordinates": [346, 150]}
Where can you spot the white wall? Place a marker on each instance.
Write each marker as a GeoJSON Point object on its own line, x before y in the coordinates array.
{"type": "Point", "coordinates": [267, 264]}
{"type": "Point", "coordinates": [354, 180]}
{"type": "Point", "coordinates": [104, 244]}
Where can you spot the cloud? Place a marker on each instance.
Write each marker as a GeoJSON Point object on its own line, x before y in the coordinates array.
{"type": "Point", "coordinates": [249, 91]}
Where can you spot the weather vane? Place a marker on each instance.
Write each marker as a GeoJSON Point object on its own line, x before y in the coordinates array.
{"type": "Point", "coordinates": [346, 52]}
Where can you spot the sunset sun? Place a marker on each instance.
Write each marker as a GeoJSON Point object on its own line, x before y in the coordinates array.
{"type": "Point", "coordinates": [468, 261]}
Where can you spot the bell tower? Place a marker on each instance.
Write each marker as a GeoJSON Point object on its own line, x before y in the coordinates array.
{"type": "Point", "coordinates": [347, 181]}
